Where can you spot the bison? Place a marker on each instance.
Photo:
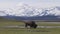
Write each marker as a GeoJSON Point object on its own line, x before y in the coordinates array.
{"type": "Point", "coordinates": [32, 24]}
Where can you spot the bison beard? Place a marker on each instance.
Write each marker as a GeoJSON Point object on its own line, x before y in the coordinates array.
{"type": "Point", "coordinates": [32, 25]}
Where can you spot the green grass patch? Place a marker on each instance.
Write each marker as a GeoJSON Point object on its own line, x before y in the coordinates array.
{"type": "Point", "coordinates": [5, 22]}
{"type": "Point", "coordinates": [31, 31]}
{"type": "Point", "coordinates": [8, 22]}
{"type": "Point", "coordinates": [48, 23]}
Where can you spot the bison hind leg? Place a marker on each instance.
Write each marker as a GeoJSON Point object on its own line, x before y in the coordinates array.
{"type": "Point", "coordinates": [35, 26]}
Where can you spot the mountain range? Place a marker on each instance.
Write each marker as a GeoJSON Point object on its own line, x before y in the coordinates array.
{"type": "Point", "coordinates": [26, 12]}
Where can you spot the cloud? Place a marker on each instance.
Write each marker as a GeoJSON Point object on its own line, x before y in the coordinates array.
{"type": "Point", "coordinates": [34, 3]}
{"type": "Point", "coordinates": [45, 5]}
{"type": "Point", "coordinates": [6, 5]}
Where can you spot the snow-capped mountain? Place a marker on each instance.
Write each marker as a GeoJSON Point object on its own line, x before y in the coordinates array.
{"type": "Point", "coordinates": [23, 9]}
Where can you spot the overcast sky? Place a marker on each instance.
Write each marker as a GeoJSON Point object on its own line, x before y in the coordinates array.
{"type": "Point", "coordinates": [35, 3]}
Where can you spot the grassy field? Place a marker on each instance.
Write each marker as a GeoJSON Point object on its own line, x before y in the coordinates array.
{"type": "Point", "coordinates": [48, 23]}
{"type": "Point", "coordinates": [14, 22]}
{"type": "Point", "coordinates": [28, 31]}
{"type": "Point", "coordinates": [5, 22]}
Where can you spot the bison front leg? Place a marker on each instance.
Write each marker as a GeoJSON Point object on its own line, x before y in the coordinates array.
{"type": "Point", "coordinates": [26, 25]}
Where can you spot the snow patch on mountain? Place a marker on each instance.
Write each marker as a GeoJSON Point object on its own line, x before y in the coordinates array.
{"type": "Point", "coordinates": [23, 9]}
